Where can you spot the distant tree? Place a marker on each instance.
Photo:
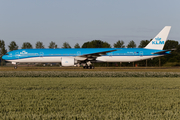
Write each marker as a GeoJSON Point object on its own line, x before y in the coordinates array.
{"type": "Point", "coordinates": [66, 45]}
{"type": "Point", "coordinates": [96, 44]}
{"type": "Point", "coordinates": [119, 44]}
{"type": "Point", "coordinates": [131, 44]}
{"type": "Point", "coordinates": [13, 46]}
{"type": "Point", "coordinates": [52, 45]}
{"type": "Point", "coordinates": [76, 45]}
{"type": "Point", "coordinates": [3, 50]}
{"type": "Point", "coordinates": [178, 49]}
{"type": "Point", "coordinates": [143, 43]}
{"type": "Point", "coordinates": [26, 45]}
{"type": "Point", "coordinates": [106, 45]}
{"type": "Point", "coordinates": [86, 45]}
{"type": "Point", "coordinates": [39, 44]}
{"type": "Point", "coordinates": [170, 44]}
{"type": "Point", "coordinates": [174, 56]}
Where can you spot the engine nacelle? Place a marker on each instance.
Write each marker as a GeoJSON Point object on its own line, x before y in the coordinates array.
{"type": "Point", "coordinates": [68, 61]}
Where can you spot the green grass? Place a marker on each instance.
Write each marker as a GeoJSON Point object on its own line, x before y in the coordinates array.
{"type": "Point", "coordinates": [86, 74]}
{"type": "Point", "coordinates": [89, 98]}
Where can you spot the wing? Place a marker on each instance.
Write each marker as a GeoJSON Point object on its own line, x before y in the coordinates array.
{"type": "Point", "coordinates": [93, 56]}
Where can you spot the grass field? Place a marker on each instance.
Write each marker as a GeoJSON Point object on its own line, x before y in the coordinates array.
{"type": "Point", "coordinates": [89, 98]}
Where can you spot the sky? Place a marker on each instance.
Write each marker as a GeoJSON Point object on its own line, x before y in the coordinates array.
{"type": "Point", "coordinates": [80, 21]}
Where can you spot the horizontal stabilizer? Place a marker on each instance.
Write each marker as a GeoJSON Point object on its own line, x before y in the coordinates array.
{"type": "Point", "coordinates": [163, 52]}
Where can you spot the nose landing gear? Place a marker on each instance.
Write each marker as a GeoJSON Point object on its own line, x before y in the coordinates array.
{"type": "Point", "coordinates": [15, 67]}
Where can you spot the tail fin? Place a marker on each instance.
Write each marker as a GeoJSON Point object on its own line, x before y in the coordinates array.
{"type": "Point", "coordinates": [159, 41]}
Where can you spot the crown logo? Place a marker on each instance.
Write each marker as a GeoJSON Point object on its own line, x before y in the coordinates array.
{"type": "Point", "coordinates": [157, 38]}
{"type": "Point", "coordinates": [23, 52]}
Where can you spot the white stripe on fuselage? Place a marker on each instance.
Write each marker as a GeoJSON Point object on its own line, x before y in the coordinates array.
{"type": "Point", "coordinates": [99, 59]}
{"type": "Point", "coordinates": [38, 60]}
{"type": "Point", "coordinates": [123, 58]}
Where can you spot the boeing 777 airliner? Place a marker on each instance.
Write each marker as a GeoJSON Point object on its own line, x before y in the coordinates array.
{"type": "Point", "coordinates": [74, 56]}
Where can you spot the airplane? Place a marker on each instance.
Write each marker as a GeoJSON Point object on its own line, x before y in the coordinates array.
{"type": "Point", "coordinates": [87, 56]}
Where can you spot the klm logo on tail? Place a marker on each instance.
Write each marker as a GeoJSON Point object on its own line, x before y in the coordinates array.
{"type": "Point", "coordinates": [158, 41]}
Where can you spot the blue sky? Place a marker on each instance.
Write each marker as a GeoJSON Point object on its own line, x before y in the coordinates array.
{"type": "Point", "coordinates": [79, 21]}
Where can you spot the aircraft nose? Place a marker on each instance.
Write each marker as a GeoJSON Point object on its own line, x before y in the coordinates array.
{"type": "Point", "coordinates": [4, 57]}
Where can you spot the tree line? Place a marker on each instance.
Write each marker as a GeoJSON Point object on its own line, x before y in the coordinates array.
{"type": "Point", "coordinates": [170, 44]}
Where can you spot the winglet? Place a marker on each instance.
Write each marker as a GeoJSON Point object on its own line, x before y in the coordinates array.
{"type": "Point", "coordinates": [159, 41]}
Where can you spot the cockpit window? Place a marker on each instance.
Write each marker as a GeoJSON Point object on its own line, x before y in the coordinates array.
{"type": "Point", "coordinates": [7, 54]}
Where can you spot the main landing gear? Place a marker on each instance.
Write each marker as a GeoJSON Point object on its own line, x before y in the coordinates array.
{"type": "Point", "coordinates": [88, 65]}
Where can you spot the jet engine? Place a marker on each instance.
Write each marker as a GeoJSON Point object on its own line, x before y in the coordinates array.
{"type": "Point", "coordinates": [68, 61]}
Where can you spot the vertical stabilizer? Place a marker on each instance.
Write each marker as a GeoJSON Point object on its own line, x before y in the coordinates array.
{"type": "Point", "coordinates": [159, 41]}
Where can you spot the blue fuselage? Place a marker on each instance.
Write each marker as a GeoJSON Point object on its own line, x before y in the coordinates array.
{"type": "Point", "coordinates": [74, 52]}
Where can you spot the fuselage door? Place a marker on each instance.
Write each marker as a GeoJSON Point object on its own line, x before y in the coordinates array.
{"type": "Point", "coordinates": [17, 55]}
{"type": "Point", "coordinates": [110, 54]}
{"type": "Point", "coordinates": [78, 53]}
{"type": "Point", "coordinates": [141, 53]}
{"type": "Point", "coordinates": [41, 54]}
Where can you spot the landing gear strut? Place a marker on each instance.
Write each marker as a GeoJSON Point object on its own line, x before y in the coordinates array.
{"type": "Point", "coordinates": [15, 67]}
{"type": "Point", "coordinates": [88, 65]}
